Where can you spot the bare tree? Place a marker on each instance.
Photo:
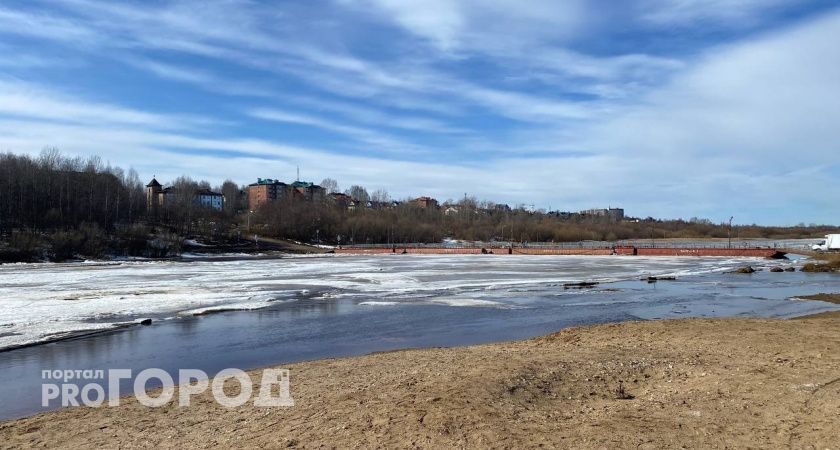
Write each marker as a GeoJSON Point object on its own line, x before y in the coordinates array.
{"type": "Point", "coordinates": [329, 185]}
{"type": "Point", "coordinates": [359, 193]}
{"type": "Point", "coordinates": [136, 198]}
{"type": "Point", "coordinates": [380, 196]}
{"type": "Point", "coordinates": [233, 197]}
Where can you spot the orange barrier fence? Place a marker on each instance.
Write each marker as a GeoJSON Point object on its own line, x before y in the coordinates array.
{"type": "Point", "coordinates": [621, 250]}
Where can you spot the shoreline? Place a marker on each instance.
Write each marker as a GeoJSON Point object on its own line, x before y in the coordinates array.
{"type": "Point", "coordinates": [279, 248]}
{"type": "Point", "coordinates": [268, 248]}
{"type": "Point", "coordinates": [822, 315]}
{"type": "Point", "coordinates": [123, 326]}
{"type": "Point", "coordinates": [191, 257]}
{"type": "Point", "coordinates": [707, 382]}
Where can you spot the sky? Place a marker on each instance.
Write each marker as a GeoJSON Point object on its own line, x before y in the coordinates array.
{"type": "Point", "coordinates": [667, 108]}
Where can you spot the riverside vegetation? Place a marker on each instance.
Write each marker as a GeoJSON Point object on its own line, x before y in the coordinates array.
{"type": "Point", "coordinates": [825, 262]}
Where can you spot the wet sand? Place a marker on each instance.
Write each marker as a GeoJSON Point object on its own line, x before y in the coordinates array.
{"type": "Point", "coordinates": [697, 382]}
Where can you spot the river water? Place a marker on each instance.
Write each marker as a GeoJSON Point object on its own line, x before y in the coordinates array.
{"type": "Point", "coordinates": [258, 312]}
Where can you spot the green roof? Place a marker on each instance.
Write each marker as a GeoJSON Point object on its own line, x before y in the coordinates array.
{"type": "Point", "coordinates": [267, 181]}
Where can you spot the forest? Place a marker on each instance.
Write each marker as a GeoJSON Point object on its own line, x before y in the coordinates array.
{"type": "Point", "coordinates": [56, 207]}
{"type": "Point", "coordinates": [475, 221]}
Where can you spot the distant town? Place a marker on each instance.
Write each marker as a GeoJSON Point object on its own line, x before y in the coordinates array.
{"type": "Point", "coordinates": [268, 190]}
{"type": "Point", "coordinates": [55, 207]}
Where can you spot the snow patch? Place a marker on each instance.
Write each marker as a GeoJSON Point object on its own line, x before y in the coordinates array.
{"type": "Point", "coordinates": [466, 302]}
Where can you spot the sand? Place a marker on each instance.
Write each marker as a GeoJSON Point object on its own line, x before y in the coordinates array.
{"type": "Point", "coordinates": [694, 383]}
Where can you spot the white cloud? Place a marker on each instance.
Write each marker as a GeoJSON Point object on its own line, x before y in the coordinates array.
{"type": "Point", "coordinates": [383, 143]}
{"type": "Point", "coordinates": [21, 99]}
{"type": "Point", "coordinates": [440, 21]}
{"type": "Point", "coordinates": [747, 126]}
{"type": "Point", "coordinates": [377, 117]}
{"type": "Point", "coordinates": [215, 31]}
{"type": "Point", "coordinates": [770, 100]}
{"type": "Point", "coordinates": [524, 43]}
{"type": "Point", "coordinates": [44, 26]}
{"type": "Point", "coordinates": [729, 12]}
{"type": "Point", "coordinates": [453, 25]}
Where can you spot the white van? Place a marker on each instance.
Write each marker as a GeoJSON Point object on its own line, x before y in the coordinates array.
{"type": "Point", "coordinates": [831, 243]}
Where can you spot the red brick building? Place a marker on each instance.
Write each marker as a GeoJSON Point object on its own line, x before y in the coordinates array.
{"type": "Point", "coordinates": [425, 202]}
{"type": "Point", "coordinates": [266, 190]}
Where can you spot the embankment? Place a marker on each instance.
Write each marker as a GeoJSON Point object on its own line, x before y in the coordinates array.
{"type": "Point", "coordinates": [755, 252]}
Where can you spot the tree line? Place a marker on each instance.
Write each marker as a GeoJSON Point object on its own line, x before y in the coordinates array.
{"type": "Point", "coordinates": [470, 220]}
{"type": "Point", "coordinates": [57, 192]}
{"type": "Point", "coordinates": [57, 207]}
{"type": "Point", "coordinates": [61, 207]}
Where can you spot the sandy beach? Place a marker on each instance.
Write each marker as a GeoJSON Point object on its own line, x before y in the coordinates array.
{"type": "Point", "coordinates": [696, 383]}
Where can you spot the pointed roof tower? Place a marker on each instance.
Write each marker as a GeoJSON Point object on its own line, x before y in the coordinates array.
{"type": "Point", "coordinates": [154, 183]}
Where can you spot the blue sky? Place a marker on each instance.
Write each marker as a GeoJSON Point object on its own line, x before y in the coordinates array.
{"type": "Point", "coordinates": [669, 108]}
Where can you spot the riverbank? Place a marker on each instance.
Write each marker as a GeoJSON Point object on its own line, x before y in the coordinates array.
{"type": "Point", "coordinates": [700, 383]}
{"type": "Point", "coordinates": [136, 243]}
{"type": "Point", "coordinates": [830, 298]}
{"type": "Point", "coordinates": [825, 262]}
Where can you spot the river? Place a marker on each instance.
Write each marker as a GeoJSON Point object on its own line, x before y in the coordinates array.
{"type": "Point", "coordinates": [249, 312]}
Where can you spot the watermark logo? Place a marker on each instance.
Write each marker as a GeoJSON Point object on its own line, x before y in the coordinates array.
{"type": "Point", "coordinates": [88, 387]}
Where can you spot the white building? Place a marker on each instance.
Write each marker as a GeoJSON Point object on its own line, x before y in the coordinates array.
{"type": "Point", "coordinates": [210, 199]}
{"type": "Point", "coordinates": [616, 214]}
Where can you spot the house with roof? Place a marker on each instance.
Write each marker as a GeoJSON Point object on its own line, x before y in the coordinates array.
{"type": "Point", "coordinates": [153, 191]}
{"type": "Point", "coordinates": [342, 200]}
{"type": "Point", "coordinates": [158, 196]}
{"type": "Point", "coordinates": [425, 202]}
{"type": "Point", "coordinates": [210, 199]}
{"type": "Point", "coordinates": [310, 191]}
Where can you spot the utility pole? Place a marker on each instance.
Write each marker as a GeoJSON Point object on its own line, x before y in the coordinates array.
{"type": "Point", "coordinates": [652, 242]}
{"type": "Point", "coordinates": [730, 230]}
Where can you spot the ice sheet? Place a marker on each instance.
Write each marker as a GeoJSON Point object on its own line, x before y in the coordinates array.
{"type": "Point", "coordinates": [44, 301]}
